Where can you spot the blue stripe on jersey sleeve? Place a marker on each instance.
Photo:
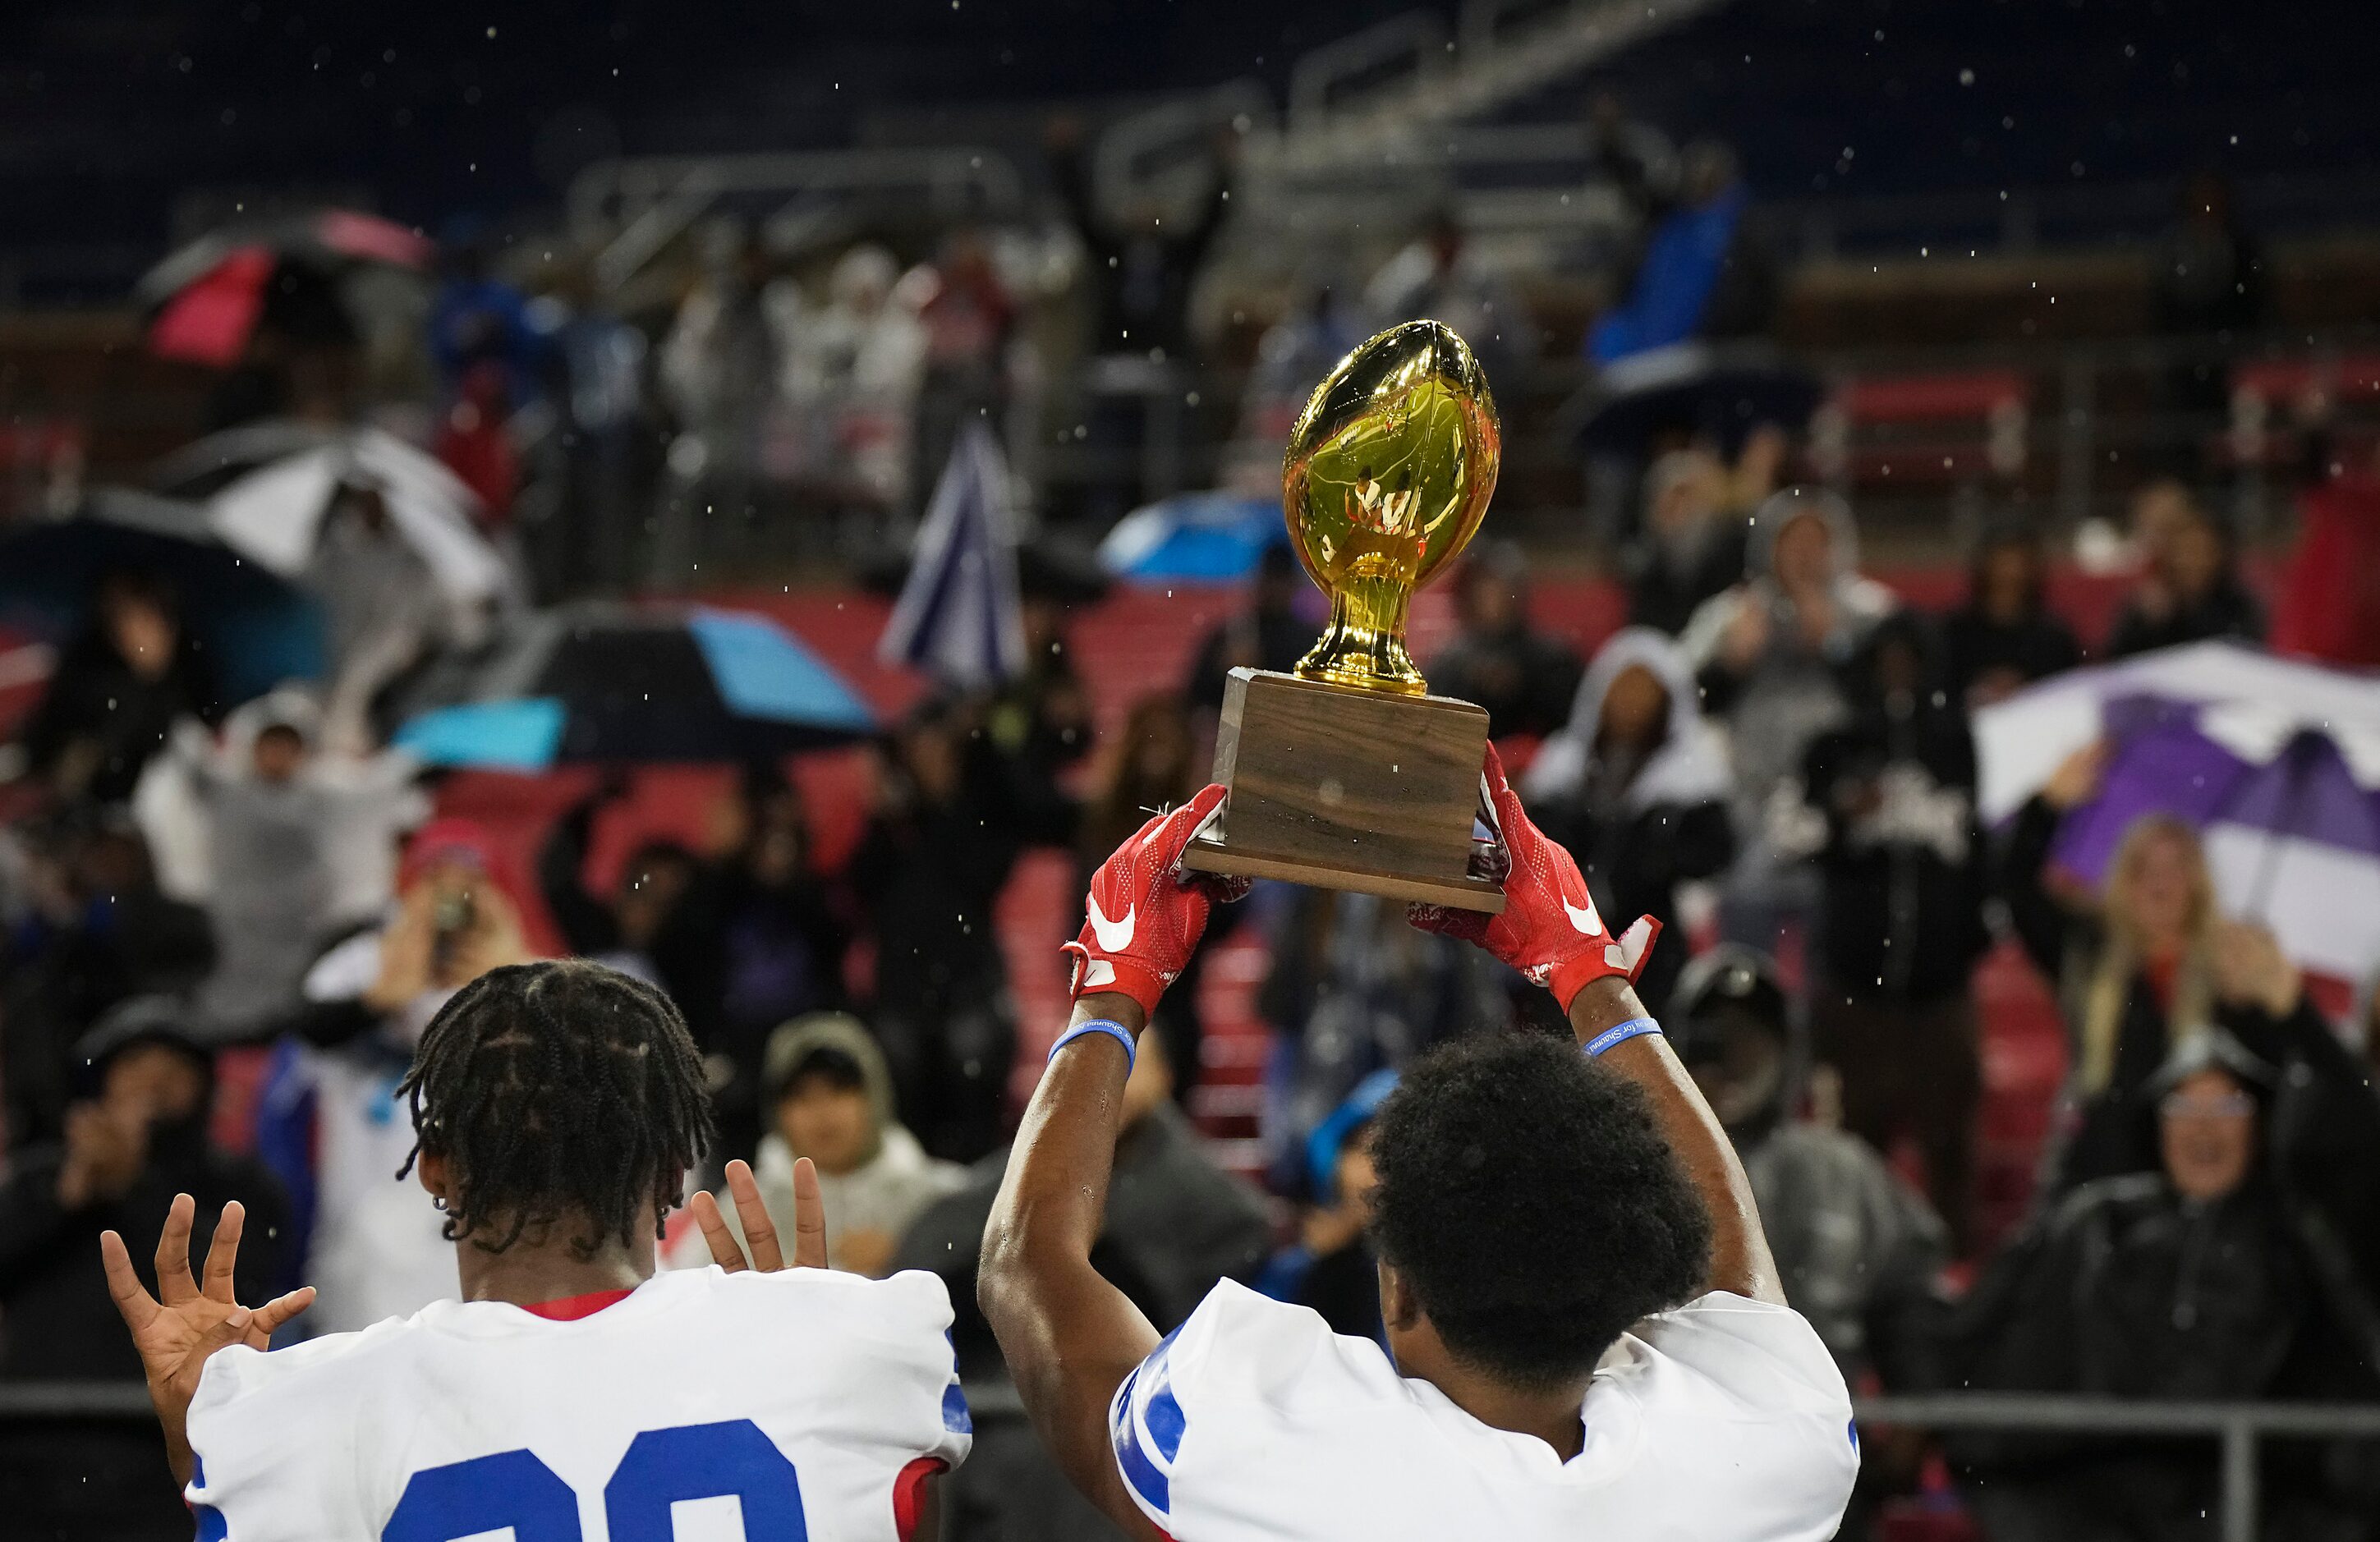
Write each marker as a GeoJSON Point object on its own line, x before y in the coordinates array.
{"type": "Point", "coordinates": [1165, 1421]}
{"type": "Point", "coordinates": [955, 1418]}
{"type": "Point", "coordinates": [1152, 1486]}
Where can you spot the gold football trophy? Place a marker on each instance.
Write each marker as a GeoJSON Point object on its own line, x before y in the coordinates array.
{"type": "Point", "coordinates": [1347, 774]}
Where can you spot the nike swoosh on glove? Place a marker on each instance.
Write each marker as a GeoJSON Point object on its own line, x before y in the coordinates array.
{"type": "Point", "coordinates": [1548, 930]}
{"type": "Point", "coordinates": [1144, 914]}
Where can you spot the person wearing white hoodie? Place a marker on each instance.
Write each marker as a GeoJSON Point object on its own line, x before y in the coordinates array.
{"type": "Point", "coordinates": [1635, 784]}
{"type": "Point", "coordinates": [298, 847]}
{"type": "Point", "coordinates": [829, 1096]}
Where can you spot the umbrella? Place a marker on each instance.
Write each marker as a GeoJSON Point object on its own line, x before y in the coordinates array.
{"type": "Point", "coordinates": [207, 298]}
{"type": "Point", "coordinates": [2276, 764]}
{"type": "Point", "coordinates": [257, 627]}
{"type": "Point", "coordinates": [1724, 393]}
{"type": "Point", "coordinates": [608, 683]}
{"type": "Point", "coordinates": [2251, 701]}
{"type": "Point", "coordinates": [2294, 842]}
{"type": "Point", "coordinates": [1194, 538]}
{"type": "Point", "coordinates": [202, 469]}
{"type": "Point", "coordinates": [271, 511]}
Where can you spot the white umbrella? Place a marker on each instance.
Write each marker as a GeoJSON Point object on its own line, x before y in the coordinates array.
{"type": "Point", "coordinates": [273, 514]}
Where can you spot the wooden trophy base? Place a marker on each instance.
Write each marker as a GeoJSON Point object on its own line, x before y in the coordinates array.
{"type": "Point", "coordinates": [1348, 789]}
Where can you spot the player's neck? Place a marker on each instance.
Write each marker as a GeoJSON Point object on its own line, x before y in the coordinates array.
{"type": "Point", "coordinates": [1552, 1418]}
{"type": "Point", "coordinates": [529, 1273]}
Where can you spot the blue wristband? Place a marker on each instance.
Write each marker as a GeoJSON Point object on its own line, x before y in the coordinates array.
{"type": "Point", "coordinates": [1108, 1027]}
{"type": "Point", "coordinates": [1619, 1033]}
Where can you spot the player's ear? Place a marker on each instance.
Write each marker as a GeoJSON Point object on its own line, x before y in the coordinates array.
{"type": "Point", "coordinates": [1400, 1308]}
{"type": "Point", "coordinates": [431, 1169]}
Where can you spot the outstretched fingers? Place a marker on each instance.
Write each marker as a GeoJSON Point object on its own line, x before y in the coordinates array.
{"type": "Point", "coordinates": [809, 1217]}
{"type": "Point", "coordinates": [174, 1285]}
{"type": "Point", "coordinates": [223, 1252]}
{"type": "Point", "coordinates": [760, 1231]}
{"type": "Point", "coordinates": [137, 1306]}
{"type": "Point", "coordinates": [725, 1251]}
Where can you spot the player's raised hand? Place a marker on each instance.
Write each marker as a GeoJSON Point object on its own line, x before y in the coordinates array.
{"type": "Point", "coordinates": [1548, 929]}
{"type": "Point", "coordinates": [189, 1319]}
{"type": "Point", "coordinates": [760, 1231]}
{"type": "Point", "coordinates": [1144, 914]}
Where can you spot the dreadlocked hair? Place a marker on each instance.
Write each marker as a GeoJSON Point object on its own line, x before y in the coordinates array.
{"type": "Point", "coordinates": [555, 1088]}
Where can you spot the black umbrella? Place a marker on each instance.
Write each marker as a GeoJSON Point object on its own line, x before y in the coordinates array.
{"type": "Point", "coordinates": [207, 299]}
{"type": "Point", "coordinates": [258, 628]}
{"type": "Point", "coordinates": [615, 684]}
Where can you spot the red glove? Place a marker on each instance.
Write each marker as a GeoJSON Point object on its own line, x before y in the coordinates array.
{"type": "Point", "coordinates": [1144, 914]}
{"type": "Point", "coordinates": [1548, 930]}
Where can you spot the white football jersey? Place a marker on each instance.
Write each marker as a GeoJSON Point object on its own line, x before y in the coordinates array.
{"type": "Point", "coordinates": [789, 1403]}
{"type": "Point", "coordinates": [1723, 1421]}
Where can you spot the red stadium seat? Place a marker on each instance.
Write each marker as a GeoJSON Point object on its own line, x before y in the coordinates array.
{"type": "Point", "coordinates": [1925, 430]}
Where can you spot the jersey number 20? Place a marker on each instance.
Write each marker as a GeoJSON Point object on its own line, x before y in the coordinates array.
{"type": "Point", "coordinates": [663, 1468]}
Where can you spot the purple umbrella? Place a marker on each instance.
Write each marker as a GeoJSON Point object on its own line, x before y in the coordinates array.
{"type": "Point", "coordinates": [2162, 765]}
{"type": "Point", "coordinates": [2307, 794]}
{"type": "Point", "coordinates": [2293, 841]}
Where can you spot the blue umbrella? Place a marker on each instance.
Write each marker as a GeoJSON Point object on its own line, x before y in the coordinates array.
{"type": "Point", "coordinates": [603, 682]}
{"type": "Point", "coordinates": [1194, 538]}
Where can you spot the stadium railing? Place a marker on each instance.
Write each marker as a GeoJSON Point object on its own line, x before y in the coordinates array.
{"type": "Point", "coordinates": [23, 1402]}
{"type": "Point", "coordinates": [2241, 1427]}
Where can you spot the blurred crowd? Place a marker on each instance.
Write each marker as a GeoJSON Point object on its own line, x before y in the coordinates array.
{"type": "Point", "coordinates": [1774, 754]}
{"type": "Point", "coordinates": [770, 392]}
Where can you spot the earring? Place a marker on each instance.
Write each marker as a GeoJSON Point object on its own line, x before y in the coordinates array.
{"type": "Point", "coordinates": [438, 1202]}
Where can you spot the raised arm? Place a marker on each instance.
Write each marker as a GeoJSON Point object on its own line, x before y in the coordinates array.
{"type": "Point", "coordinates": [1740, 1259]}
{"type": "Point", "coordinates": [1550, 932]}
{"type": "Point", "coordinates": [2041, 923]}
{"type": "Point", "coordinates": [1069, 1337]}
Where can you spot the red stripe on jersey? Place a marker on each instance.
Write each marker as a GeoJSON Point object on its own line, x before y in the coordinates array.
{"type": "Point", "coordinates": [570, 1309]}
{"type": "Point", "coordinates": [909, 1493]}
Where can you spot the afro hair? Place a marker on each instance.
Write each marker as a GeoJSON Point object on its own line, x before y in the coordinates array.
{"type": "Point", "coordinates": [1531, 1201]}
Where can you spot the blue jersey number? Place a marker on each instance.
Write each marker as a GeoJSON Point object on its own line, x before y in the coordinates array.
{"type": "Point", "coordinates": [663, 1468]}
